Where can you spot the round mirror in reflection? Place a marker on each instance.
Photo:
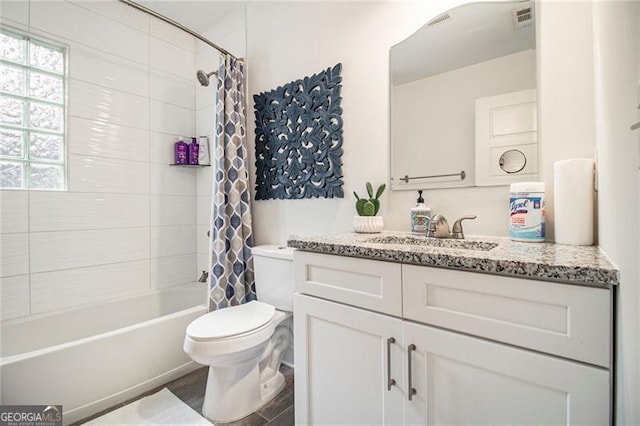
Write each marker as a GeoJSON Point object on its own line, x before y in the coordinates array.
{"type": "Point", "coordinates": [512, 161]}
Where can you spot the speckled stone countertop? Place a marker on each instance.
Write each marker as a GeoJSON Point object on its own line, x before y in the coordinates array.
{"type": "Point", "coordinates": [583, 265]}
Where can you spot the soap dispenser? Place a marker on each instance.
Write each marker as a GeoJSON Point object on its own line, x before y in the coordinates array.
{"type": "Point", "coordinates": [420, 216]}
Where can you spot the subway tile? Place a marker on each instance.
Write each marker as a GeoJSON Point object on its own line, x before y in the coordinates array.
{"type": "Point", "coordinates": [206, 121]}
{"type": "Point", "coordinates": [172, 59]}
{"type": "Point", "coordinates": [15, 12]}
{"type": "Point", "coordinates": [104, 69]}
{"type": "Point", "coordinates": [60, 211]}
{"type": "Point", "coordinates": [172, 119]}
{"type": "Point", "coordinates": [100, 139]}
{"type": "Point", "coordinates": [172, 210]}
{"type": "Point", "coordinates": [14, 297]}
{"type": "Point", "coordinates": [118, 12]}
{"type": "Point", "coordinates": [162, 148]}
{"type": "Point", "coordinates": [202, 239]}
{"type": "Point", "coordinates": [15, 254]}
{"type": "Point", "coordinates": [206, 96]}
{"type": "Point", "coordinates": [51, 251]}
{"type": "Point", "coordinates": [203, 210]}
{"type": "Point", "coordinates": [108, 105]}
{"type": "Point", "coordinates": [173, 270]}
{"type": "Point", "coordinates": [69, 21]}
{"type": "Point", "coordinates": [173, 35]}
{"type": "Point", "coordinates": [173, 90]}
{"type": "Point", "coordinates": [173, 240]}
{"type": "Point", "coordinates": [203, 260]}
{"type": "Point", "coordinates": [14, 211]}
{"type": "Point", "coordinates": [98, 174]}
{"type": "Point", "coordinates": [168, 180]}
{"type": "Point", "coordinates": [204, 181]}
{"type": "Point", "coordinates": [73, 287]}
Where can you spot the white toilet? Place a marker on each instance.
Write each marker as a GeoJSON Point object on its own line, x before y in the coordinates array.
{"type": "Point", "coordinates": [243, 345]}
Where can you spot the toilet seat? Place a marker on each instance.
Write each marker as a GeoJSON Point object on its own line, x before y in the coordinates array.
{"type": "Point", "coordinates": [231, 322]}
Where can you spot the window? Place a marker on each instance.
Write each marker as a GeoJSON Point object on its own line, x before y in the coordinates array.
{"type": "Point", "coordinates": [33, 88]}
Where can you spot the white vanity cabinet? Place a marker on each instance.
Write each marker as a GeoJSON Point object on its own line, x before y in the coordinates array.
{"type": "Point", "coordinates": [467, 348]}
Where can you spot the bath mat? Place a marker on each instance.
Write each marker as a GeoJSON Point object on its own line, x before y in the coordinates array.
{"type": "Point", "coordinates": [161, 408]}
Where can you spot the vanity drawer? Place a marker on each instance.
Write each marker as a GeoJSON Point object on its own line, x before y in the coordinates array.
{"type": "Point", "coordinates": [566, 320]}
{"type": "Point", "coordinates": [369, 284]}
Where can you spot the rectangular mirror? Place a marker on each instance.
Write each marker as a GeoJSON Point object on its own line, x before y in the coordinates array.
{"type": "Point", "coordinates": [473, 51]}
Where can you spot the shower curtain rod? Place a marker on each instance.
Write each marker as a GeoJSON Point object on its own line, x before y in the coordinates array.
{"type": "Point", "coordinates": [177, 25]}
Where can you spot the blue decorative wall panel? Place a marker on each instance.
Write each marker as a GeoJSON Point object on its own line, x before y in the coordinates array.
{"type": "Point", "coordinates": [299, 138]}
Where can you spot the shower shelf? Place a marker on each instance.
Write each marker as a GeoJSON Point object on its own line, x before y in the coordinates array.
{"type": "Point", "coordinates": [191, 165]}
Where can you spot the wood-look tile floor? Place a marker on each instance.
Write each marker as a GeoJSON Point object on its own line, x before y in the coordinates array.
{"type": "Point", "coordinates": [190, 389]}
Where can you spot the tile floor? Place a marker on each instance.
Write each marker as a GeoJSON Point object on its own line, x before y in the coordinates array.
{"type": "Point", "coordinates": [190, 389]}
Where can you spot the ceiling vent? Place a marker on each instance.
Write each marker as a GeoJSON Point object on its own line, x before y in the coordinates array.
{"type": "Point", "coordinates": [522, 18]}
{"type": "Point", "coordinates": [439, 19]}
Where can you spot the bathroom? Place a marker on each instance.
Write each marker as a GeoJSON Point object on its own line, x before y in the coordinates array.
{"type": "Point", "coordinates": [130, 225]}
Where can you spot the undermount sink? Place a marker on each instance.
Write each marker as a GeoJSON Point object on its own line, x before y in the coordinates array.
{"type": "Point", "coordinates": [434, 242]}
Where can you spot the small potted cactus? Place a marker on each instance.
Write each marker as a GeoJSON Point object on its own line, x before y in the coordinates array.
{"type": "Point", "coordinates": [366, 220]}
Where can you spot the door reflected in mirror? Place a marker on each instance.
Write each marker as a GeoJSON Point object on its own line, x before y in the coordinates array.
{"type": "Point", "coordinates": [473, 51]}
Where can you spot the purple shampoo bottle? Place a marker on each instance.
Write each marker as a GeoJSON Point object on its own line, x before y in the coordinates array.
{"type": "Point", "coordinates": [193, 151]}
{"type": "Point", "coordinates": [181, 152]}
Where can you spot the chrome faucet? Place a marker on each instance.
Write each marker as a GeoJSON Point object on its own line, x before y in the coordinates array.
{"type": "Point", "coordinates": [439, 227]}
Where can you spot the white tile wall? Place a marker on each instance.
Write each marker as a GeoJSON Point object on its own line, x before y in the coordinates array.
{"type": "Point", "coordinates": [171, 34]}
{"type": "Point", "coordinates": [172, 210]}
{"type": "Point", "coordinates": [162, 148]}
{"type": "Point", "coordinates": [99, 174]}
{"type": "Point", "coordinates": [138, 21]}
{"type": "Point", "coordinates": [15, 12]}
{"type": "Point", "coordinates": [14, 211]}
{"type": "Point", "coordinates": [169, 58]}
{"type": "Point", "coordinates": [176, 240]}
{"type": "Point", "coordinates": [52, 251]}
{"type": "Point", "coordinates": [111, 71]}
{"type": "Point", "coordinates": [173, 90]}
{"type": "Point", "coordinates": [174, 270]}
{"type": "Point", "coordinates": [14, 297]}
{"type": "Point", "coordinates": [72, 287]}
{"type": "Point", "coordinates": [15, 254]}
{"type": "Point", "coordinates": [68, 21]}
{"type": "Point", "coordinates": [127, 223]}
{"type": "Point", "coordinates": [94, 102]}
{"type": "Point", "coordinates": [174, 180]}
{"type": "Point", "coordinates": [99, 139]}
{"type": "Point", "coordinates": [68, 211]}
{"type": "Point", "coordinates": [172, 119]}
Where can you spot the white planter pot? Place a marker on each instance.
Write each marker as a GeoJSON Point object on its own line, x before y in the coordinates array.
{"type": "Point", "coordinates": [368, 224]}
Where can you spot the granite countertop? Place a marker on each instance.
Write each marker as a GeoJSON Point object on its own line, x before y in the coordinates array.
{"type": "Point", "coordinates": [583, 265]}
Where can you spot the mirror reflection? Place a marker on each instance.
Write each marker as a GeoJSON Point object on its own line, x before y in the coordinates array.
{"type": "Point", "coordinates": [471, 52]}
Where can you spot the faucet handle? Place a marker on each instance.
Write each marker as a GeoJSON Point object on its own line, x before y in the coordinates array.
{"type": "Point", "coordinates": [456, 230]}
{"type": "Point", "coordinates": [438, 227]}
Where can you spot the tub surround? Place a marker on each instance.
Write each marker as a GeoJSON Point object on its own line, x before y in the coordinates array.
{"type": "Point", "coordinates": [582, 265]}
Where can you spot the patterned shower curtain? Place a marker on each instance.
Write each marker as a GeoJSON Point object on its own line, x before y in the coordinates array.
{"type": "Point", "coordinates": [231, 276]}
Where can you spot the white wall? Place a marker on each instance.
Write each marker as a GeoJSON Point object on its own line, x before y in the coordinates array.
{"type": "Point", "coordinates": [359, 36]}
{"type": "Point", "coordinates": [433, 119]}
{"type": "Point", "coordinates": [127, 223]}
{"type": "Point", "coordinates": [617, 72]}
{"type": "Point", "coordinates": [564, 36]}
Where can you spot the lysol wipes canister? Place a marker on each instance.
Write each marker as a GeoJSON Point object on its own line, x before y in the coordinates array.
{"type": "Point", "coordinates": [526, 211]}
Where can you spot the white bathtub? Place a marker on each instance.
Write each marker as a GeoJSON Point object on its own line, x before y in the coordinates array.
{"type": "Point", "coordinates": [95, 357]}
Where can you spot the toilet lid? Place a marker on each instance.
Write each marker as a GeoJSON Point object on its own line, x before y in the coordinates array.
{"type": "Point", "coordinates": [231, 321]}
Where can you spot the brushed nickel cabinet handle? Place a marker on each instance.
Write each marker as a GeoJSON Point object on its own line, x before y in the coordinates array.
{"type": "Point", "coordinates": [390, 381]}
{"type": "Point", "coordinates": [411, 391]}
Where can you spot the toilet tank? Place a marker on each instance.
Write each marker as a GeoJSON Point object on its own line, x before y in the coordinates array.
{"type": "Point", "coordinates": [273, 267]}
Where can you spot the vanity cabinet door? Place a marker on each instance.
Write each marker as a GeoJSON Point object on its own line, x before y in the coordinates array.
{"type": "Point", "coordinates": [465, 380]}
{"type": "Point", "coordinates": [341, 365]}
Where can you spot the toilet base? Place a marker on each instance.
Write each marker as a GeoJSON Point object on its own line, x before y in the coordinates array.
{"type": "Point", "coordinates": [242, 399]}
